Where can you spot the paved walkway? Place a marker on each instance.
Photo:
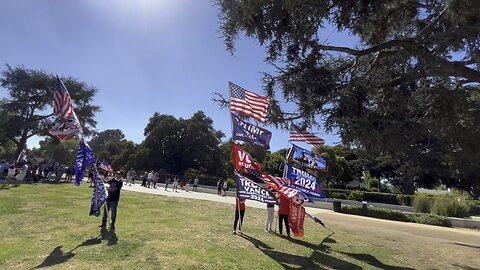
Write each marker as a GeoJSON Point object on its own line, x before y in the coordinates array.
{"type": "Point", "coordinates": [160, 190]}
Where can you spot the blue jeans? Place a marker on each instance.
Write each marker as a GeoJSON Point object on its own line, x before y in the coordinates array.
{"type": "Point", "coordinates": [112, 207]}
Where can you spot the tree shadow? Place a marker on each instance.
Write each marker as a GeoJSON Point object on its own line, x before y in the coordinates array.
{"type": "Point", "coordinates": [289, 261]}
{"type": "Point", "coordinates": [371, 260]}
{"type": "Point", "coordinates": [57, 256]}
{"type": "Point", "coordinates": [465, 267]}
{"type": "Point", "coordinates": [465, 245]}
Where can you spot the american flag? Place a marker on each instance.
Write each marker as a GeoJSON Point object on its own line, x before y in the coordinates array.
{"type": "Point", "coordinates": [248, 103]}
{"type": "Point", "coordinates": [274, 182]}
{"type": "Point", "coordinates": [304, 136]}
{"type": "Point", "coordinates": [67, 129]}
{"type": "Point", "coordinates": [62, 103]}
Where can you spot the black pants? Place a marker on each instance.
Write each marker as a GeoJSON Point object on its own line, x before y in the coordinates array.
{"type": "Point", "coordinates": [238, 214]}
{"type": "Point", "coordinates": [280, 225]}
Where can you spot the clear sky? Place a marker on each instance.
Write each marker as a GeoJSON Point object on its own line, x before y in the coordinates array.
{"type": "Point", "coordinates": [144, 56]}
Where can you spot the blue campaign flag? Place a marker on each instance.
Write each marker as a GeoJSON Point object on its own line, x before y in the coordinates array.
{"type": "Point", "coordinates": [248, 189]}
{"type": "Point", "coordinates": [244, 131]}
{"type": "Point", "coordinates": [99, 196]}
{"type": "Point", "coordinates": [307, 159]}
{"type": "Point", "coordinates": [85, 159]}
{"type": "Point", "coordinates": [303, 181]}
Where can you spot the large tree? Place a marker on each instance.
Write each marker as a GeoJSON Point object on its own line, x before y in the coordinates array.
{"type": "Point", "coordinates": [100, 140]}
{"type": "Point", "coordinates": [407, 91]}
{"type": "Point", "coordinates": [27, 107]}
{"type": "Point", "coordinates": [179, 144]}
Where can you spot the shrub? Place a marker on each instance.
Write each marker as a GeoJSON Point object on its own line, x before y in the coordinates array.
{"type": "Point", "coordinates": [430, 219]}
{"type": "Point", "coordinates": [404, 199]}
{"type": "Point", "coordinates": [377, 212]}
{"type": "Point", "coordinates": [338, 195]}
{"type": "Point", "coordinates": [422, 204]}
{"type": "Point", "coordinates": [356, 195]}
{"type": "Point", "coordinates": [451, 206]}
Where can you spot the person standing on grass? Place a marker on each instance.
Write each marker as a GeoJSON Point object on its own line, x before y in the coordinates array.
{"type": "Point", "coordinates": [149, 179]}
{"type": "Point", "coordinates": [167, 181]}
{"type": "Point", "coordinates": [283, 211]}
{"type": "Point", "coordinates": [270, 213]}
{"type": "Point", "coordinates": [225, 187]}
{"type": "Point", "coordinates": [219, 187]}
{"type": "Point", "coordinates": [155, 180]}
{"type": "Point", "coordinates": [239, 214]}
{"type": "Point", "coordinates": [115, 185]}
{"type": "Point", "coordinates": [195, 184]}
{"type": "Point", "coordinates": [175, 184]}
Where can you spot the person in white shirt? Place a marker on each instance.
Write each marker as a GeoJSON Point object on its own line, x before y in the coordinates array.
{"type": "Point", "coordinates": [195, 184]}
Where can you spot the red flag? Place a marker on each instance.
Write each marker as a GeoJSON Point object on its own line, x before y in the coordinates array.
{"type": "Point", "coordinates": [296, 218]}
{"type": "Point", "coordinates": [248, 103]}
{"type": "Point", "coordinates": [62, 103]}
{"type": "Point", "coordinates": [242, 161]}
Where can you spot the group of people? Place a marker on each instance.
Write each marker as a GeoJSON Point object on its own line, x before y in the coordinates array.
{"type": "Point", "coordinates": [34, 172]}
{"type": "Point", "coordinates": [283, 211]}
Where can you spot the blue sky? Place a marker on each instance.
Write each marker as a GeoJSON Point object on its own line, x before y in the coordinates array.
{"type": "Point", "coordinates": [144, 56]}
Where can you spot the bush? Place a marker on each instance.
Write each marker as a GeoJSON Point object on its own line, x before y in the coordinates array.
{"type": "Point", "coordinates": [422, 204]}
{"type": "Point", "coordinates": [377, 212]}
{"type": "Point", "coordinates": [430, 219]}
{"type": "Point", "coordinates": [405, 200]}
{"type": "Point", "coordinates": [356, 196]}
{"type": "Point", "coordinates": [339, 195]}
{"type": "Point", "coordinates": [451, 206]}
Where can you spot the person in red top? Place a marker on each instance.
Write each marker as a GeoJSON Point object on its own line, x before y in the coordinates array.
{"type": "Point", "coordinates": [239, 213]}
{"type": "Point", "coordinates": [283, 211]}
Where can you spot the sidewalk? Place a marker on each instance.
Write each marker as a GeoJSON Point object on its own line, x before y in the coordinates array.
{"type": "Point", "coordinates": [200, 195]}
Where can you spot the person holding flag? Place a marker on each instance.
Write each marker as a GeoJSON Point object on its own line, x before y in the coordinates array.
{"type": "Point", "coordinates": [239, 213]}
{"type": "Point", "coordinates": [283, 212]}
{"type": "Point", "coordinates": [112, 200]}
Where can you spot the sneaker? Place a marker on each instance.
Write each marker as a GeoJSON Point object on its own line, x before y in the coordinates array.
{"type": "Point", "coordinates": [234, 232]}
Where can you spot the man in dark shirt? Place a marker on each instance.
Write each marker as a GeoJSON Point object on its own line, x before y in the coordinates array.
{"type": "Point", "coordinates": [112, 200]}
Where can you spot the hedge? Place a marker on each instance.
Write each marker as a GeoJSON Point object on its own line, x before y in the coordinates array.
{"type": "Point", "coordinates": [384, 213]}
{"type": "Point", "coordinates": [378, 197]}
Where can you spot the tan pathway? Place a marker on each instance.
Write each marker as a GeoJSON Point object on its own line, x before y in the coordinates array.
{"type": "Point", "coordinates": [205, 196]}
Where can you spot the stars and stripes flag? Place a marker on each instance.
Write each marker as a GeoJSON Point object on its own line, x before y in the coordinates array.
{"type": "Point", "coordinates": [274, 182]}
{"type": "Point", "coordinates": [248, 103]}
{"type": "Point", "coordinates": [296, 135]}
{"type": "Point", "coordinates": [62, 103]}
{"type": "Point", "coordinates": [68, 128]}
{"type": "Point", "coordinates": [105, 166]}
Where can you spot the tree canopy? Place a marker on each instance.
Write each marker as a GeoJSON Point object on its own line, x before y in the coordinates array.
{"type": "Point", "coordinates": [406, 93]}
{"type": "Point", "coordinates": [179, 144]}
{"type": "Point", "coordinates": [26, 111]}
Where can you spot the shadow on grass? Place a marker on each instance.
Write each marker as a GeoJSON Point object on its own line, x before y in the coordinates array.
{"type": "Point", "coordinates": [109, 235]}
{"type": "Point", "coordinates": [57, 256]}
{"type": "Point", "coordinates": [465, 267]}
{"type": "Point", "coordinates": [320, 255]}
{"type": "Point", "coordinates": [371, 260]}
{"type": "Point", "coordinates": [465, 245]}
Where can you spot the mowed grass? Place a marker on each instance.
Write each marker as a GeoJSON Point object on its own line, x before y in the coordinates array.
{"type": "Point", "coordinates": [48, 226]}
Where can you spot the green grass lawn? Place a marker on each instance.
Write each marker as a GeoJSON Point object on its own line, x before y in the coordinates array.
{"type": "Point", "coordinates": [49, 226]}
